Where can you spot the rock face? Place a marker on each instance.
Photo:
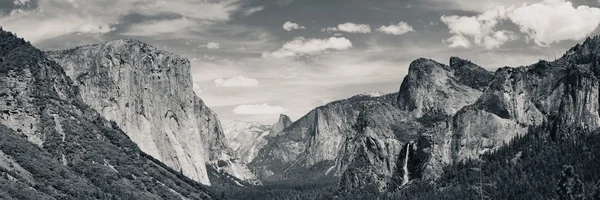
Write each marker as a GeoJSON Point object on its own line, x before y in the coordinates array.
{"type": "Point", "coordinates": [322, 143]}
{"type": "Point", "coordinates": [363, 141]}
{"type": "Point", "coordinates": [282, 123]}
{"type": "Point", "coordinates": [441, 115]}
{"type": "Point", "coordinates": [91, 157]}
{"type": "Point", "coordinates": [431, 88]}
{"type": "Point", "coordinates": [149, 94]}
{"type": "Point", "coordinates": [564, 91]}
{"type": "Point", "coordinates": [247, 138]}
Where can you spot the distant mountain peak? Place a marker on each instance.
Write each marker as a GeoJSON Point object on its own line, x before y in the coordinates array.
{"type": "Point", "coordinates": [283, 122]}
{"type": "Point", "coordinates": [373, 93]}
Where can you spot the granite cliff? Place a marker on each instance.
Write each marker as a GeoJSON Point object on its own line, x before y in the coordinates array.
{"type": "Point", "coordinates": [442, 114]}
{"type": "Point", "coordinates": [54, 146]}
{"type": "Point", "coordinates": [149, 94]}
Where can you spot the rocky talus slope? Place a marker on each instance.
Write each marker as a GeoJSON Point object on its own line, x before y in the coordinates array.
{"type": "Point", "coordinates": [149, 94]}
{"type": "Point", "coordinates": [58, 147]}
{"type": "Point", "coordinates": [442, 114]}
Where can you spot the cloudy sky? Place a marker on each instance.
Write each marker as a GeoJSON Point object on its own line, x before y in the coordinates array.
{"type": "Point", "coordinates": [254, 59]}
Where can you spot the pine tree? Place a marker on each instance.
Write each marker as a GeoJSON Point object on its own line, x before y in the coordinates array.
{"type": "Point", "coordinates": [570, 186]}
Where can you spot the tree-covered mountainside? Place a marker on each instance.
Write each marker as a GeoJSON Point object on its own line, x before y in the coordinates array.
{"type": "Point", "coordinates": [53, 146]}
{"type": "Point", "coordinates": [533, 166]}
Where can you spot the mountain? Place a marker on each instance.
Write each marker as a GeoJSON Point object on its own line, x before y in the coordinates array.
{"type": "Point", "coordinates": [54, 146]}
{"type": "Point", "coordinates": [564, 92]}
{"type": "Point", "coordinates": [373, 93]}
{"type": "Point", "coordinates": [443, 115]}
{"type": "Point", "coordinates": [313, 146]}
{"type": "Point", "coordinates": [364, 141]}
{"type": "Point", "coordinates": [282, 123]}
{"type": "Point", "coordinates": [244, 137]}
{"type": "Point", "coordinates": [247, 138]}
{"type": "Point", "coordinates": [149, 94]}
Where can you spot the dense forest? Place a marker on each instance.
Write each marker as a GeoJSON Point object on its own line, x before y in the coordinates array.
{"type": "Point", "coordinates": [534, 166]}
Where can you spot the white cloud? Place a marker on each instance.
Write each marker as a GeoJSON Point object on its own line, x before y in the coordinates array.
{"type": "Point", "coordinates": [457, 41]}
{"type": "Point", "coordinates": [555, 20]}
{"type": "Point", "coordinates": [546, 22]}
{"type": "Point", "coordinates": [54, 18]}
{"type": "Point", "coordinates": [352, 28]}
{"type": "Point", "coordinates": [195, 59]}
{"type": "Point", "coordinates": [478, 6]}
{"type": "Point", "coordinates": [158, 27]}
{"type": "Point", "coordinates": [259, 109]}
{"type": "Point", "coordinates": [481, 29]}
{"type": "Point", "coordinates": [207, 57]}
{"type": "Point", "coordinates": [252, 10]}
{"type": "Point", "coordinates": [303, 46]}
{"type": "Point", "coordinates": [238, 81]}
{"type": "Point", "coordinates": [21, 2]}
{"type": "Point", "coordinates": [220, 10]}
{"type": "Point", "coordinates": [399, 29]}
{"type": "Point", "coordinates": [289, 26]}
{"type": "Point", "coordinates": [197, 89]}
{"type": "Point", "coordinates": [329, 29]}
{"type": "Point", "coordinates": [211, 45]}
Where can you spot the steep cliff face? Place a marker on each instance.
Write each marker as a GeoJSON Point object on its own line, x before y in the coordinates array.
{"type": "Point", "coordinates": [315, 145]}
{"type": "Point", "coordinates": [149, 94]}
{"type": "Point", "coordinates": [362, 141]}
{"type": "Point", "coordinates": [565, 90]}
{"type": "Point", "coordinates": [420, 145]}
{"type": "Point", "coordinates": [282, 123]}
{"type": "Point", "coordinates": [432, 88]}
{"type": "Point", "coordinates": [91, 157]}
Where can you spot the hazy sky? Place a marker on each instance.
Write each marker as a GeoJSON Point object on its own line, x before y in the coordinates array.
{"type": "Point", "coordinates": [254, 59]}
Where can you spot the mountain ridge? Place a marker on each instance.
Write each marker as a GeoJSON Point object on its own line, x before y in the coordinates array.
{"type": "Point", "coordinates": [149, 93]}
{"type": "Point", "coordinates": [79, 153]}
{"type": "Point", "coordinates": [449, 113]}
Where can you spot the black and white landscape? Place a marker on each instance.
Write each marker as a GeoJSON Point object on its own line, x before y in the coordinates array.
{"type": "Point", "coordinates": [299, 99]}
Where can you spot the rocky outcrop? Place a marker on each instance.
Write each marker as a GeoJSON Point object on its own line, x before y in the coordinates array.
{"type": "Point", "coordinates": [149, 94]}
{"type": "Point", "coordinates": [363, 141]}
{"type": "Point", "coordinates": [564, 92]}
{"type": "Point", "coordinates": [432, 88]}
{"type": "Point", "coordinates": [322, 143]}
{"type": "Point", "coordinates": [79, 153]}
{"type": "Point", "coordinates": [283, 122]}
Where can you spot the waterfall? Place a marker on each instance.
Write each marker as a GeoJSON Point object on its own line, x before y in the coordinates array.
{"type": "Point", "coordinates": [406, 177]}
